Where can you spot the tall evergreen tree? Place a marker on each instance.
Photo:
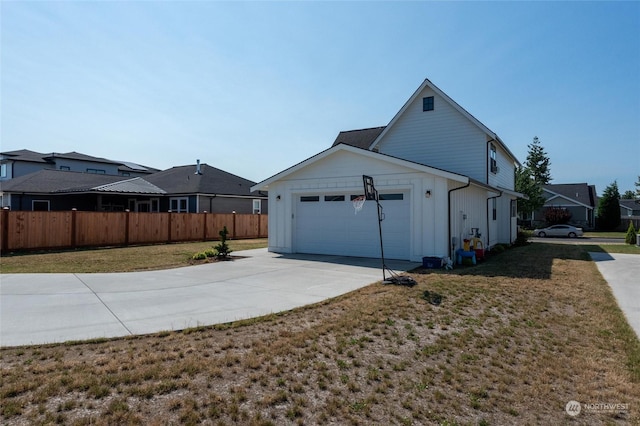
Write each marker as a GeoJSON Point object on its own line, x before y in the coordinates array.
{"type": "Point", "coordinates": [538, 162]}
{"type": "Point", "coordinates": [526, 184]}
{"type": "Point", "coordinates": [609, 208]}
{"type": "Point", "coordinates": [638, 188]}
{"type": "Point", "coordinates": [531, 176]}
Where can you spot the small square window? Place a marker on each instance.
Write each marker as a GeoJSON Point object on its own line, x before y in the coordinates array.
{"type": "Point", "coordinates": [427, 103]}
{"type": "Point", "coordinates": [310, 199]}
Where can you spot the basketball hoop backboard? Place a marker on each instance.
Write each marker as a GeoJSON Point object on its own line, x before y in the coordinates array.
{"type": "Point", "coordinates": [370, 192]}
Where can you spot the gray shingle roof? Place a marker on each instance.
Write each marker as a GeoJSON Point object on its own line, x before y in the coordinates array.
{"type": "Point", "coordinates": [362, 138]}
{"type": "Point", "coordinates": [25, 155]}
{"type": "Point", "coordinates": [49, 158]}
{"type": "Point", "coordinates": [60, 181]}
{"type": "Point", "coordinates": [580, 192]}
{"type": "Point", "coordinates": [184, 180]}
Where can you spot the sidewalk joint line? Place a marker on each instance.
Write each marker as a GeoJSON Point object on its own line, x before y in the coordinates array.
{"type": "Point", "coordinates": [104, 304]}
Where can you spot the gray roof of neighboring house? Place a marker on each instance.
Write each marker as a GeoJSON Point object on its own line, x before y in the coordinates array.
{"type": "Point", "coordinates": [25, 155]}
{"type": "Point", "coordinates": [49, 158]}
{"type": "Point", "coordinates": [580, 192]}
{"type": "Point", "coordinates": [185, 180]}
{"type": "Point", "coordinates": [631, 204]}
{"type": "Point", "coordinates": [362, 138]}
{"type": "Point", "coordinates": [60, 181]}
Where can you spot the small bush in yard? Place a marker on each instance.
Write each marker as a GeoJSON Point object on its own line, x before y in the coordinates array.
{"type": "Point", "coordinates": [630, 238]}
{"type": "Point", "coordinates": [210, 252]}
{"type": "Point", "coordinates": [223, 249]}
{"type": "Point", "coordinates": [522, 238]}
{"type": "Point", "coordinates": [199, 256]}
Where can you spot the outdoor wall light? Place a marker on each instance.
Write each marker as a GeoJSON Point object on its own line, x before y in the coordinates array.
{"type": "Point", "coordinates": [278, 197]}
{"type": "Point", "coordinates": [428, 193]}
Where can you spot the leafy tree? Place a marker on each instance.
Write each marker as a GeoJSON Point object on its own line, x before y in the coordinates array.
{"type": "Point", "coordinates": [538, 162]}
{"type": "Point", "coordinates": [609, 208]}
{"type": "Point", "coordinates": [557, 216]}
{"type": "Point", "coordinates": [526, 185]}
{"type": "Point", "coordinates": [630, 238]}
{"type": "Point", "coordinates": [628, 195]}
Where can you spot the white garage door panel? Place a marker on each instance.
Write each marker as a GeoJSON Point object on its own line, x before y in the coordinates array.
{"type": "Point", "coordinates": [332, 227]}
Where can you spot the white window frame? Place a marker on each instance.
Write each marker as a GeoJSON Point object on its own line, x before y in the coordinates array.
{"type": "Point", "coordinates": [257, 206]}
{"type": "Point", "coordinates": [177, 200]}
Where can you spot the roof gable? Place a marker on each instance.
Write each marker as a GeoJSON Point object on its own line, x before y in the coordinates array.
{"type": "Point", "coordinates": [264, 185]}
{"type": "Point", "coordinates": [428, 84]}
{"type": "Point", "coordinates": [580, 193]}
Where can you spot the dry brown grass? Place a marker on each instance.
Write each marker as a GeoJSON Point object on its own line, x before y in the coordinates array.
{"type": "Point", "coordinates": [115, 259]}
{"type": "Point", "coordinates": [512, 342]}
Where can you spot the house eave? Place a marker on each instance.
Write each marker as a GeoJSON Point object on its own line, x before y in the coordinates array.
{"type": "Point", "coordinates": [264, 185]}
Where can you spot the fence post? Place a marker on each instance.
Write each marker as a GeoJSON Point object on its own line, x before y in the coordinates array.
{"type": "Point", "coordinates": [74, 211]}
{"type": "Point", "coordinates": [204, 227]}
{"type": "Point", "coordinates": [234, 224]}
{"type": "Point", "coordinates": [259, 224]}
{"type": "Point", "coordinates": [126, 227]}
{"type": "Point", "coordinates": [5, 230]}
{"type": "Point", "coordinates": [169, 226]}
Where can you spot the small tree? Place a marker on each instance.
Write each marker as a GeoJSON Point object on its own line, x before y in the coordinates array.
{"type": "Point", "coordinates": [630, 238]}
{"type": "Point", "coordinates": [609, 208]}
{"type": "Point", "coordinates": [222, 248]}
{"type": "Point", "coordinates": [557, 216]}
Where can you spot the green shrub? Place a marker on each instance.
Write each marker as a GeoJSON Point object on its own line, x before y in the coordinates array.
{"type": "Point", "coordinates": [522, 238]}
{"type": "Point", "coordinates": [630, 238]}
{"type": "Point", "coordinates": [210, 252]}
{"type": "Point", "coordinates": [222, 249]}
{"type": "Point", "coordinates": [199, 256]}
{"type": "Point", "coordinates": [498, 248]}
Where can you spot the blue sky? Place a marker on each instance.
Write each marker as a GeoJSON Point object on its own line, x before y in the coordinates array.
{"type": "Point", "coordinates": [255, 87]}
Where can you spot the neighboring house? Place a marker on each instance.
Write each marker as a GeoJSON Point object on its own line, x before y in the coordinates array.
{"type": "Point", "coordinates": [578, 198]}
{"type": "Point", "coordinates": [629, 208]}
{"type": "Point", "coordinates": [63, 190]}
{"type": "Point", "coordinates": [200, 187]}
{"type": "Point", "coordinates": [190, 189]}
{"type": "Point", "coordinates": [14, 164]}
{"type": "Point", "coordinates": [441, 175]}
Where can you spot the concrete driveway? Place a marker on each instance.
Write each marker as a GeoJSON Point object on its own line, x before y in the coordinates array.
{"type": "Point", "coordinates": [622, 272]}
{"type": "Point", "coordinates": [53, 308]}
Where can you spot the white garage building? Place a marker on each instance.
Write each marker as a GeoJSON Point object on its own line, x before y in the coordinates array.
{"type": "Point", "coordinates": [428, 209]}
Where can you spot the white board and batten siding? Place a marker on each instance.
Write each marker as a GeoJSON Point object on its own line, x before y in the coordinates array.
{"type": "Point", "coordinates": [442, 138]}
{"type": "Point", "coordinates": [310, 210]}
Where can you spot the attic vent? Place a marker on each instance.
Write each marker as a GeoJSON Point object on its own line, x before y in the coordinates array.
{"type": "Point", "coordinates": [198, 171]}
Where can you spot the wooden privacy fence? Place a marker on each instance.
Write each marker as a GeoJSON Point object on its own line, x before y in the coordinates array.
{"type": "Point", "coordinates": [24, 230]}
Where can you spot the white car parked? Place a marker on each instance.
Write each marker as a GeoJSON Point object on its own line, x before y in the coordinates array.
{"type": "Point", "coordinates": [558, 231]}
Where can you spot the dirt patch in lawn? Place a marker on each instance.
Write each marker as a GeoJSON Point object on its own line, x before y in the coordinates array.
{"type": "Point", "coordinates": [498, 349]}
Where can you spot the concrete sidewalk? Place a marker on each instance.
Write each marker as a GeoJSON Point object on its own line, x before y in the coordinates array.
{"type": "Point", "coordinates": [622, 272]}
{"type": "Point", "coordinates": [53, 308]}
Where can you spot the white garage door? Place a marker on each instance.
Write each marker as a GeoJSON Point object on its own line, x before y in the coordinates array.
{"type": "Point", "coordinates": [327, 224]}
